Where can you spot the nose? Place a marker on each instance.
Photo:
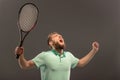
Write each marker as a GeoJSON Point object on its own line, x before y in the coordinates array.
{"type": "Point", "coordinates": [60, 36]}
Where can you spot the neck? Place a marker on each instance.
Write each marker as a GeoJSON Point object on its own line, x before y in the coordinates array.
{"type": "Point", "coordinates": [59, 50]}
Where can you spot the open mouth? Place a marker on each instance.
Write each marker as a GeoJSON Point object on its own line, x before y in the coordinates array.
{"type": "Point", "coordinates": [61, 41]}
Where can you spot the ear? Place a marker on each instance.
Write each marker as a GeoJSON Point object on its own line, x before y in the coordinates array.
{"type": "Point", "coordinates": [50, 43]}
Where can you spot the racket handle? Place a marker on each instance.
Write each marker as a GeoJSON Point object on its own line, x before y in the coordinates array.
{"type": "Point", "coordinates": [95, 45]}
{"type": "Point", "coordinates": [17, 56]}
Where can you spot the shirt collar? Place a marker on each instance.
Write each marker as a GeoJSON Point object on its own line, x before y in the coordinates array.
{"type": "Point", "coordinates": [56, 53]}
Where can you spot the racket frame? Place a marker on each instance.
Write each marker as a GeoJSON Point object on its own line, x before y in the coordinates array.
{"type": "Point", "coordinates": [23, 34]}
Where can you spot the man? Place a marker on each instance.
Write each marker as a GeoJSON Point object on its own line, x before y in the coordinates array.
{"type": "Point", "coordinates": [56, 63]}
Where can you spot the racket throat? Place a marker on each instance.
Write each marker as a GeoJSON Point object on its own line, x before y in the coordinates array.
{"type": "Point", "coordinates": [21, 43]}
{"type": "Point", "coordinates": [23, 38]}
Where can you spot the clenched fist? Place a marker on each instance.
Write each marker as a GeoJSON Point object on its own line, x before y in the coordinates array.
{"type": "Point", "coordinates": [19, 50]}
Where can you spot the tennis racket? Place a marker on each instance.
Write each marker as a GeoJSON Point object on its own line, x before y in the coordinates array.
{"type": "Point", "coordinates": [27, 19]}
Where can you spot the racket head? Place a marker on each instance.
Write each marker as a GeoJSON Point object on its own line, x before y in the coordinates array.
{"type": "Point", "coordinates": [28, 17]}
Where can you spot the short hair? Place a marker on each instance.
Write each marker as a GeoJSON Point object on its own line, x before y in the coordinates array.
{"type": "Point", "coordinates": [49, 37]}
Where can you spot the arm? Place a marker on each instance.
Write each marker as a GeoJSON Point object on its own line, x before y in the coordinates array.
{"type": "Point", "coordinates": [85, 60]}
{"type": "Point", "coordinates": [24, 64]}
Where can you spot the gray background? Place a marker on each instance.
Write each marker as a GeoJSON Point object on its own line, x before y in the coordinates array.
{"type": "Point", "coordinates": [79, 21]}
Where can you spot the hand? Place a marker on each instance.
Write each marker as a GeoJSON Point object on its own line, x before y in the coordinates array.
{"type": "Point", "coordinates": [95, 46]}
{"type": "Point", "coordinates": [19, 50]}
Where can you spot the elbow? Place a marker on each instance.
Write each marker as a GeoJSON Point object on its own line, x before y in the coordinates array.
{"type": "Point", "coordinates": [26, 65]}
{"type": "Point", "coordinates": [23, 67]}
{"type": "Point", "coordinates": [81, 64]}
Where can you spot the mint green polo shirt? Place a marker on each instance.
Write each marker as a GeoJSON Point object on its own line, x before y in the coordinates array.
{"type": "Point", "coordinates": [54, 66]}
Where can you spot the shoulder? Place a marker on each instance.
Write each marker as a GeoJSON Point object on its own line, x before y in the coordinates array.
{"type": "Point", "coordinates": [44, 53]}
{"type": "Point", "coordinates": [68, 53]}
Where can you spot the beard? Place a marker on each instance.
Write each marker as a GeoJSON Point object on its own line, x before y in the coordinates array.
{"type": "Point", "coordinates": [59, 46]}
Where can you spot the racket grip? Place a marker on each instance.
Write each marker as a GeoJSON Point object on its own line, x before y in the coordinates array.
{"type": "Point", "coordinates": [20, 45]}
{"type": "Point", "coordinates": [17, 56]}
{"type": "Point", "coordinates": [95, 45]}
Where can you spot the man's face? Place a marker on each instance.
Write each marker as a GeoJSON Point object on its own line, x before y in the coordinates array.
{"type": "Point", "coordinates": [57, 41]}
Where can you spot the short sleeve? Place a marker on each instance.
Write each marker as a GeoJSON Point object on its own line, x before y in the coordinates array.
{"type": "Point", "coordinates": [74, 61]}
{"type": "Point", "coordinates": [39, 59]}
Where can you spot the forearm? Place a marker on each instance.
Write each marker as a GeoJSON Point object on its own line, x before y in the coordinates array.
{"type": "Point", "coordinates": [22, 62]}
{"type": "Point", "coordinates": [85, 60]}
{"type": "Point", "coordinates": [25, 64]}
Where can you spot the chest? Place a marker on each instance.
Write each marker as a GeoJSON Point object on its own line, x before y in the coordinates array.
{"type": "Point", "coordinates": [56, 62]}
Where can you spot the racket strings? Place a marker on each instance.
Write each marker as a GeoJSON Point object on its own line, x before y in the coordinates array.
{"type": "Point", "coordinates": [28, 17]}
